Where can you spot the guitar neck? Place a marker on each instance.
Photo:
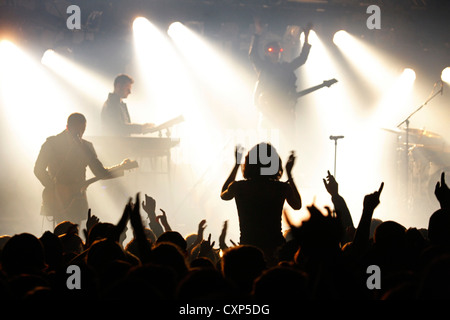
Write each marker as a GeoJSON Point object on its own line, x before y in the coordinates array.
{"type": "Point", "coordinates": [118, 167]}
{"type": "Point", "coordinates": [91, 181]}
{"type": "Point", "coordinates": [309, 90]}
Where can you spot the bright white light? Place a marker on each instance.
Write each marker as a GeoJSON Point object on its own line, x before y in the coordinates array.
{"type": "Point", "coordinates": [445, 75]}
{"type": "Point", "coordinates": [205, 61]}
{"type": "Point", "coordinates": [81, 78]}
{"type": "Point", "coordinates": [215, 69]}
{"type": "Point", "coordinates": [396, 101]}
{"type": "Point", "coordinates": [341, 37]}
{"type": "Point", "coordinates": [162, 86]}
{"type": "Point", "coordinates": [319, 67]}
{"type": "Point", "coordinates": [371, 64]}
{"type": "Point", "coordinates": [32, 102]}
{"type": "Point", "coordinates": [223, 89]}
{"type": "Point", "coordinates": [408, 75]}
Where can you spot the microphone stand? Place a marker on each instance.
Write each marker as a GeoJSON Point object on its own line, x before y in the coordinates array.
{"type": "Point", "coordinates": [335, 138]}
{"type": "Point", "coordinates": [406, 122]}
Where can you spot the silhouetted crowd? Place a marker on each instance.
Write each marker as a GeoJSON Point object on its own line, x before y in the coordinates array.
{"type": "Point", "coordinates": [326, 257]}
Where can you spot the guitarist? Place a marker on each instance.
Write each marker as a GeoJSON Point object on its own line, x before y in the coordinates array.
{"type": "Point", "coordinates": [61, 168]}
{"type": "Point", "coordinates": [275, 91]}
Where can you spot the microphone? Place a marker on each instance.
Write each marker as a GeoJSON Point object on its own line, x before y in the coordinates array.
{"type": "Point", "coordinates": [336, 137]}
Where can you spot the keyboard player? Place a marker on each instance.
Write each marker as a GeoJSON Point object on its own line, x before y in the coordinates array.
{"type": "Point", "coordinates": [115, 116]}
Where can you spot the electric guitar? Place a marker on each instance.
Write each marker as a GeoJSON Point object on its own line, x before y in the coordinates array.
{"type": "Point", "coordinates": [326, 83]}
{"type": "Point", "coordinates": [61, 199]}
{"type": "Point", "coordinates": [266, 101]}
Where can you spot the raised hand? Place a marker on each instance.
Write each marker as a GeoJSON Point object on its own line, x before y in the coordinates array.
{"type": "Point", "coordinates": [442, 192]}
{"type": "Point", "coordinates": [222, 236]}
{"type": "Point", "coordinates": [149, 205]}
{"type": "Point", "coordinates": [331, 184]}
{"type": "Point", "coordinates": [91, 221]}
{"type": "Point", "coordinates": [318, 234]}
{"type": "Point", "coordinates": [206, 247]}
{"type": "Point", "coordinates": [201, 229]}
{"type": "Point", "coordinates": [362, 233]}
{"type": "Point", "coordinates": [371, 201]}
{"type": "Point", "coordinates": [306, 30]}
{"type": "Point", "coordinates": [163, 219]}
{"type": "Point", "coordinates": [290, 164]}
{"type": "Point", "coordinates": [133, 211]}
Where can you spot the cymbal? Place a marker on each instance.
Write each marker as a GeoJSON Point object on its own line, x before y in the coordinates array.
{"type": "Point", "coordinates": [424, 133]}
{"type": "Point", "coordinates": [414, 132]}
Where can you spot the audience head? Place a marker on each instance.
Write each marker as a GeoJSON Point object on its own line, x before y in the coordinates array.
{"type": "Point", "coordinates": [281, 283]}
{"type": "Point", "coordinates": [262, 161]}
{"type": "Point", "coordinates": [204, 284]}
{"type": "Point", "coordinates": [242, 265]}
{"type": "Point", "coordinates": [438, 227]}
{"type": "Point", "coordinates": [99, 231]}
{"type": "Point", "coordinates": [65, 227]}
{"type": "Point", "coordinates": [171, 256]}
{"type": "Point", "coordinates": [23, 254]}
{"type": "Point", "coordinates": [173, 237]}
{"type": "Point", "coordinates": [390, 235]}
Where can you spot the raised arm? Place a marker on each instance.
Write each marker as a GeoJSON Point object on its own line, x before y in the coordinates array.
{"type": "Point", "coordinates": [138, 228]}
{"type": "Point", "coordinates": [223, 234]}
{"type": "Point", "coordinates": [227, 191]}
{"type": "Point", "coordinates": [339, 203]}
{"type": "Point", "coordinates": [162, 218]}
{"type": "Point", "coordinates": [442, 192]}
{"type": "Point", "coordinates": [253, 55]}
{"type": "Point", "coordinates": [301, 59]}
{"type": "Point", "coordinates": [293, 196]}
{"type": "Point", "coordinates": [362, 235]}
{"type": "Point", "coordinates": [149, 206]}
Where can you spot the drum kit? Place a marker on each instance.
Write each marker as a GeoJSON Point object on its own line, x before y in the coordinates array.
{"type": "Point", "coordinates": [424, 157]}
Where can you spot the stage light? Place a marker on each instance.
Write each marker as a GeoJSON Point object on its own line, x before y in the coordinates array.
{"type": "Point", "coordinates": [395, 102]}
{"type": "Point", "coordinates": [6, 46]}
{"type": "Point", "coordinates": [224, 90]}
{"type": "Point", "coordinates": [341, 37]}
{"type": "Point", "coordinates": [373, 65]}
{"type": "Point", "coordinates": [408, 75]}
{"type": "Point", "coordinates": [32, 102]}
{"type": "Point", "coordinates": [209, 62]}
{"type": "Point", "coordinates": [90, 83]}
{"type": "Point", "coordinates": [160, 74]}
{"type": "Point", "coordinates": [445, 75]}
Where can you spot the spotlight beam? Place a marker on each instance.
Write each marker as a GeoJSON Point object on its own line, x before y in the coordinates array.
{"type": "Point", "coordinates": [85, 80]}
